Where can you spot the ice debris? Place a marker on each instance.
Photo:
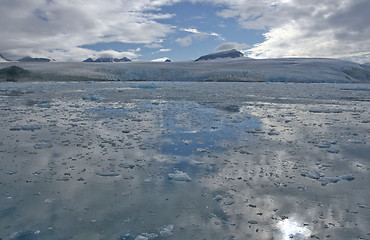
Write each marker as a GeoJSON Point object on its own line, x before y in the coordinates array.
{"type": "Point", "coordinates": [43, 144]}
{"type": "Point", "coordinates": [11, 172]}
{"type": "Point", "coordinates": [314, 174]}
{"type": "Point", "coordinates": [229, 238]}
{"type": "Point", "coordinates": [327, 180]}
{"type": "Point", "coordinates": [166, 230]}
{"type": "Point", "coordinates": [179, 176]}
{"type": "Point", "coordinates": [110, 174]}
{"type": "Point", "coordinates": [145, 86]}
{"type": "Point", "coordinates": [333, 149]}
{"type": "Point", "coordinates": [326, 110]}
{"type": "Point", "coordinates": [44, 105]}
{"type": "Point", "coordinates": [357, 141]}
{"type": "Point", "coordinates": [218, 198]}
{"type": "Point", "coordinates": [140, 237]}
{"type": "Point", "coordinates": [323, 145]}
{"type": "Point", "coordinates": [93, 98]}
{"type": "Point", "coordinates": [26, 128]}
{"type": "Point", "coordinates": [49, 200]}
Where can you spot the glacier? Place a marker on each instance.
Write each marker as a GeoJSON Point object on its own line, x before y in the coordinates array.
{"type": "Point", "coordinates": [242, 69]}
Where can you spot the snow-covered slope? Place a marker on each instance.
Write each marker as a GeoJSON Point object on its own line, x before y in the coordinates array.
{"type": "Point", "coordinates": [100, 60]}
{"type": "Point", "coordinates": [3, 59]}
{"type": "Point", "coordinates": [237, 69]}
{"type": "Point", "coordinates": [224, 54]}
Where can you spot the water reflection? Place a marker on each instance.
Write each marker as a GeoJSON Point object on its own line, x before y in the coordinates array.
{"type": "Point", "coordinates": [243, 181]}
{"type": "Point", "coordinates": [195, 130]}
{"type": "Point", "coordinates": [292, 229]}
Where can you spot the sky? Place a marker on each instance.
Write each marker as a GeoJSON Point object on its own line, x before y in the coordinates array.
{"type": "Point", "coordinates": [183, 30]}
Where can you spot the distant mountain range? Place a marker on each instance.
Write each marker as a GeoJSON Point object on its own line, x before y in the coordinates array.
{"type": "Point", "coordinates": [124, 59]}
{"type": "Point", "coordinates": [225, 54]}
{"type": "Point", "coordinates": [31, 59]}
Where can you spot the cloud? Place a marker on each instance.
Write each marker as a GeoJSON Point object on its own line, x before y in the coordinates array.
{"type": "Point", "coordinates": [114, 54]}
{"type": "Point", "coordinates": [195, 36]}
{"type": "Point", "coordinates": [191, 30]}
{"type": "Point", "coordinates": [188, 40]}
{"type": "Point", "coordinates": [231, 45]}
{"type": "Point", "coordinates": [293, 28]}
{"type": "Point", "coordinates": [299, 28]}
{"type": "Point", "coordinates": [153, 45]}
{"type": "Point", "coordinates": [165, 50]}
{"type": "Point", "coordinates": [42, 28]}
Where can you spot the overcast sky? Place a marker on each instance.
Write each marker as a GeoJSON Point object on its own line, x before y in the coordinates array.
{"type": "Point", "coordinates": [73, 30]}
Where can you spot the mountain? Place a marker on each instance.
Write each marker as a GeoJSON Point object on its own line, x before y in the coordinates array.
{"type": "Point", "coordinates": [3, 59]}
{"type": "Point", "coordinates": [167, 60]}
{"type": "Point", "coordinates": [124, 59]}
{"type": "Point", "coordinates": [88, 60]}
{"type": "Point", "coordinates": [30, 59]}
{"type": "Point", "coordinates": [225, 54]}
{"type": "Point", "coordinates": [13, 74]}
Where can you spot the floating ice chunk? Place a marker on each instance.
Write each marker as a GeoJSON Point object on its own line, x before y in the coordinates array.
{"type": "Point", "coordinates": [314, 174]}
{"type": "Point", "coordinates": [297, 236]}
{"type": "Point", "coordinates": [25, 235]}
{"type": "Point", "coordinates": [166, 230]}
{"type": "Point", "coordinates": [145, 86]}
{"type": "Point", "coordinates": [255, 131]}
{"type": "Point", "coordinates": [148, 180]}
{"type": "Point", "coordinates": [357, 141]}
{"type": "Point", "coordinates": [43, 144]}
{"type": "Point", "coordinates": [44, 105]}
{"type": "Point", "coordinates": [31, 127]}
{"type": "Point", "coordinates": [229, 238]}
{"type": "Point", "coordinates": [110, 174]}
{"type": "Point", "coordinates": [26, 128]}
{"type": "Point", "coordinates": [49, 200]}
{"type": "Point", "coordinates": [127, 237]}
{"type": "Point", "coordinates": [218, 198]}
{"type": "Point", "coordinates": [179, 176]}
{"type": "Point", "coordinates": [11, 172]}
{"type": "Point", "coordinates": [229, 202]}
{"type": "Point", "coordinates": [327, 180]}
{"type": "Point", "coordinates": [194, 162]}
{"type": "Point", "coordinates": [149, 235]}
{"type": "Point", "coordinates": [326, 110]}
{"type": "Point", "coordinates": [323, 145]}
{"type": "Point", "coordinates": [126, 165]}
{"type": "Point", "coordinates": [334, 149]}
{"type": "Point", "coordinates": [93, 98]}
{"type": "Point", "coordinates": [140, 237]}
{"type": "Point", "coordinates": [273, 132]}
{"type": "Point", "coordinates": [348, 177]}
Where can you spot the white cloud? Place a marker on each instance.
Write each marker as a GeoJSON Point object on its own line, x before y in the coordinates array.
{"type": "Point", "coordinates": [299, 28]}
{"type": "Point", "coordinates": [114, 54]}
{"type": "Point", "coordinates": [191, 30]}
{"type": "Point", "coordinates": [195, 36]}
{"type": "Point", "coordinates": [153, 45]}
{"type": "Point", "coordinates": [165, 50]}
{"type": "Point", "coordinates": [231, 45]}
{"type": "Point", "coordinates": [294, 28]}
{"type": "Point", "coordinates": [56, 28]}
{"type": "Point", "coordinates": [189, 39]}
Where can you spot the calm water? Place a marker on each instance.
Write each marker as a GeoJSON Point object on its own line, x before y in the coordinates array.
{"type": "Point", "coordinates": [184, 161]}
